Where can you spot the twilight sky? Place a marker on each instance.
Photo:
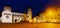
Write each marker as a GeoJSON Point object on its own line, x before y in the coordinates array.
{"type": "Point", "coordinates": [21, 5]}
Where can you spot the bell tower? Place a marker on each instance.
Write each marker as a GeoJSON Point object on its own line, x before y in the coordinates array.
{"type": "Point", "coordinates": [29, 14]}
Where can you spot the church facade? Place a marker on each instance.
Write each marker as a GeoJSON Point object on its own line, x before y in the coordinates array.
{"type": "Point", "coordinates": [10, 17]}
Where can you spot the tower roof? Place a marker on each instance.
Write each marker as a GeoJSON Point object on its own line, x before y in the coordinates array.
{"type": "Point", "coordinates": [29, 8]}
{"type": "Point", "coordinates": [7, 7]}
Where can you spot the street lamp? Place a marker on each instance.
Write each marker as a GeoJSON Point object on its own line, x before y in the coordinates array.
{"type": "Point", "coordinates": [51, 12]}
